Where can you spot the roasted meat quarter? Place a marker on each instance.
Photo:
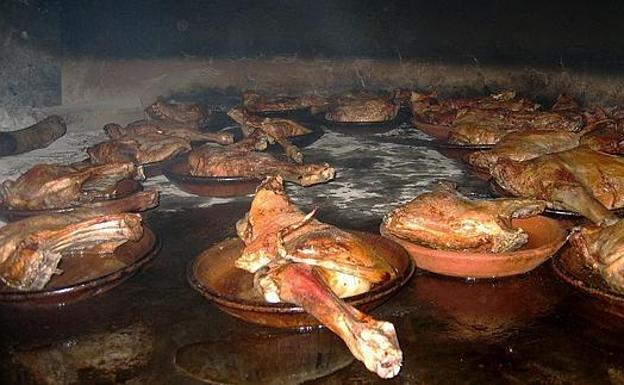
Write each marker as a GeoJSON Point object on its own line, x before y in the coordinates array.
{"type": "Point", "coordinates": [141, 149]}
{"type": "Point", "coordinates": [240, 161]}
{"type": "Point", "coordinates": [275, 130]}
{"type": "Point", "coordinates": [444, 219]}
{"type": "Point", "coordinates": [255, 102]}
{"type": "Point", "coordinates": [602, 249]}
{"type": "Point", "coordinates": [580, 180]}
{"type": "Point", "coordinates": [301, 260]}
{"type": "Point", "coordinates": [428, 108]}
{"type": "Point", "coordinates": [53, 186]}
{"type": "Point", "coordinates": [191, 115]}
{"type": "Point", "coordinates": [525, 145]}
{"type": "Point", "coordinates": [606, 136]}
{"type": "Point", "coordinates": [478, 126]}
{"type": "Point", "coordinates": [145, 126]}
{"type": "Point", "coordinates": [362, 107]}
{"type": "Point", "coordinates": [31, 249]}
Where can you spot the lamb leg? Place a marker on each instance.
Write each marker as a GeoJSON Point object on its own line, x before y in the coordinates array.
{"type": "Point", "coordinates": [577, 199]}
{"type": "Point", "coordinates": [373, 342]}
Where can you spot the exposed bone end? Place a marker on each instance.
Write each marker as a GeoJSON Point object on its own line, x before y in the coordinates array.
{"type": "Point", "coordinates": [33, 270]}
{"type": "Point", "coordinates": [378, 346]}
{"type": "Point", "coordinates": [223, 138]}
{"type": "Point", "coordinates": [315, 174]}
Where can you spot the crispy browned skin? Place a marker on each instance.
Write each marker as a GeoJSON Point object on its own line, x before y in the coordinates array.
{"type": "Point", "coordinates": [525, 145]}
{"type": "Point", "coordinates": [603, 250]}
{"type": "Point", "coordinates": [239, 160]}
{"type": "Point", "coordinates": [490, 126]}
{"type": "Point", "coordinates": [444, 219]}
{"type": "Point", "coordinates": [362, 107]}
{"type": "Point", "coordinates": [580, 180]}
{"type": "Point", "coordinates": [191, 115]}
{"type": "Point", "coordinates": [276, 130]}
{"type": "Point", "coordinates": [53, 186]}
{"type": "Point", "coordinates": [428, 108]}
{"type": "Point", "coordinates": [607, 137]}
{"type": "Point", "coordinates": [300, 260]}
{"type": "Point", "coordinates": [144, 126]}
{"type": "Point", "coordinates": [31, 249]}
{"type": "Point", "coordinates": [254, 102]}
{"type": "Point", "coordinates": [142, 149]}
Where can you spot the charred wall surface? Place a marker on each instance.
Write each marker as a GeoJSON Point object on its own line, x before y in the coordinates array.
{"type": "Point", "coordinates": [456, 46]}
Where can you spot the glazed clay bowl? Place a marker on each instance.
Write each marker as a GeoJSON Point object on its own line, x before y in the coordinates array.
{"type": "Point", "coordinates": [362, 127]}
{"type": "Point", "coordinates": [231, 289]}
{"type": "Point", "coordinates": [597, 297]}
{"type": "Point", "coordinates": [546, 236]}
{"type": "Point", "coordinates": [88, 274]}
{"type": "Point", "coordinates": [177, 172]}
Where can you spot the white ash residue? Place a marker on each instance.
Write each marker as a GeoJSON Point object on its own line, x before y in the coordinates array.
{"type": "Point", "coordinates": [375, 172]}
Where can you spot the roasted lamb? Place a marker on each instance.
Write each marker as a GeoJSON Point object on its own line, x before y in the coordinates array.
{"type": "Point", "coordinates": [580, 180]}
{"type": "Point", "coordinates": [444, 219]}
{"type": "Point", "coordinates": [300, 260]}
{"type": "Point", "coordinates": [361, 107]}
{"type": "Point", "coordinates": [254, 102]}
{"type": "Point", "coordinates": [52, 186]}
{"type": "Point", "coordinates": [146, 126]}
{"type": "Point", "coordinates": [478, 126]}
{"type": "Point", "coordinates": [31, 249]}
{"type": "Point", "coordinates": [190, 115]}
{"type": "Point", "coordinates": [275, 130]}
{"type": "Point", "coordinates": [602, 249]}
{"type": "Point", "coordinates": [141, 149]}
{"type": "Point", "coordinates": [240, 160]}
{"type": "Point", "coordinates": [428, 108]}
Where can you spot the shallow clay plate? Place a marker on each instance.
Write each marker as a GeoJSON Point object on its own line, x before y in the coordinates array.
{"type": "Point", "coordinates": [213, 274]}
{"type": "Point", "coordinates": [177, 172]}
{"type": "Point", "coordinates": [364, 127]}
{"type": "Point", "coordinates": [570, 267]}
{"type": "Point", "coordinates": [546, 236]}
{"type": "Point", "coordinates": [126, 189]}
{"type": "Point", "coordinates": [86, 275]}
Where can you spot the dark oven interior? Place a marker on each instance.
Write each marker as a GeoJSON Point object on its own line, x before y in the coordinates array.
{"type": "Point", "coordinates": [89, 64]}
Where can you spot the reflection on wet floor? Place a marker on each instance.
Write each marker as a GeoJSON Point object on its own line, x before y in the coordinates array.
{"type": "Point", "coordinates": [286, 358]}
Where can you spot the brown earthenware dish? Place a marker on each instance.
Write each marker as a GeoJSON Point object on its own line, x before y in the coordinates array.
{"type": "Point", "coordinates": [213, 274]}
{"type": "Point", "coordinates": [177, 172]}
{"type": "Point", "coordinates": [546, 236]}
{"type": "Point", "coordinates": [570, 267]}
{"type": "Point", "coordinates": [88, 274]}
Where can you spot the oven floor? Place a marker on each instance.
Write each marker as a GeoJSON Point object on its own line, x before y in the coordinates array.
{"type": "Point", "coordinates": [154, 329]}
